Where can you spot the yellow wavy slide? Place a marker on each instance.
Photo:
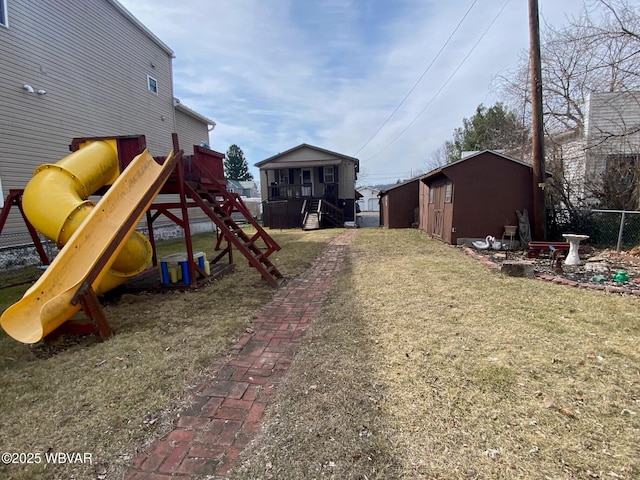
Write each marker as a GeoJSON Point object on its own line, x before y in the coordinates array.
{"type": "Point", "coordinates": [55, 201]}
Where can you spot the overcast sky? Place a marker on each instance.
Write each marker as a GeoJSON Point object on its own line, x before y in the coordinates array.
{"type": "Point", "coordinates": [277, 73]}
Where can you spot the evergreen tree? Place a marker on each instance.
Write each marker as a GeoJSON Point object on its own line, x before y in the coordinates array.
{"type": "Point", "coordinates": [494, 128]}
{"type": "Point", "coordinates": [235, 165]}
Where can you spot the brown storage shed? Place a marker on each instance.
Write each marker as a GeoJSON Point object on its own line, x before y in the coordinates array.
{"type": "Point", "coordinates": [399, 204]}
{"type": "Point", "coordinates": [475, 197]}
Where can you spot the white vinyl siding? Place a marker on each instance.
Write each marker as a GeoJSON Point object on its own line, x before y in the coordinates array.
{"type": "Point", "coordinates": [94, 79]}
{"type": "Point", "coordinates": [190, 132]}
{"type": "Point", "coordinates": [347, 180]}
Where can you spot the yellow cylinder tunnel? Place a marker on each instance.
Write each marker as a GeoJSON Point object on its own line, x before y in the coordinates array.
{"type": "Point", "coordinates": [55, 202]}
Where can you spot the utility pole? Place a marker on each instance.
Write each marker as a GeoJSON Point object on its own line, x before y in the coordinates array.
{"type": "Point", "coordinates": [539, 221]}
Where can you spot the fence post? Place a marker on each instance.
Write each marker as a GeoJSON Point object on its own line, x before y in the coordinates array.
{"type": "Point", "coordinates": [620, 232]}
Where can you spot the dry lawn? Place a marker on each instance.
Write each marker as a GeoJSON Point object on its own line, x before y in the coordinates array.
{"type": "Point", "coordinates": [425, 364]}
{"type": "Point", "coordinates": [112, 398]}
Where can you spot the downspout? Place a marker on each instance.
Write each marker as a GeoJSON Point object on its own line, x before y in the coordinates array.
{"type": "Point", "coordinates": [55, 202]}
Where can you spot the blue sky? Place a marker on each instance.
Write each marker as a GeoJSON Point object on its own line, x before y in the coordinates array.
{"type": "Point", "coordinates": [277, 73]}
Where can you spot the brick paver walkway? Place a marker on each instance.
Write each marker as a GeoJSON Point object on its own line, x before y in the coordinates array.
{"type": "Point", "coordinates": [226, 411]}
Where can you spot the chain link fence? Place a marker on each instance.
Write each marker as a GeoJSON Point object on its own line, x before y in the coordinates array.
{"type": "Point", "coordinates": [17, 249]}
{"type": "Point", "coordinates": [606, 228]}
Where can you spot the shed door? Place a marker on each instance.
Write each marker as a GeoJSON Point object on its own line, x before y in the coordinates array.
{"type": "Point", "coordinates": [438, 210]}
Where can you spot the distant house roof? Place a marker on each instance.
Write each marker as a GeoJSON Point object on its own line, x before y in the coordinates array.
{"type": "Point", "coordinates": [567, 136]}
{"type": "Point", "coordinates": [192, 113]}
{"type": "Point", "coordinates": [375, 190]}
{"type": "Point", "coordinates": [242, 184]}
{"type": "Point", "coordinates": [306, 145]}
{"type": "Point", "coordinates": [128, 15]}
{"type": "Point", "coordinates": [234, 183]}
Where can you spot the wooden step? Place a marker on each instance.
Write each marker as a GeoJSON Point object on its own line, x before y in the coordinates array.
{"type": "Point", "coordinates": [236, 236]}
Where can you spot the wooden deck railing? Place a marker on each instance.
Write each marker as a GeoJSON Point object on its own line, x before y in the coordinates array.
{"type": "Point", "coordinates": [282, 192]}
{"type": "Point", "coordinates": [331, 213]}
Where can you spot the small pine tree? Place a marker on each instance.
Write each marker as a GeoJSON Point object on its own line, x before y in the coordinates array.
{"type": "Point", "coordinates": [235, 165]}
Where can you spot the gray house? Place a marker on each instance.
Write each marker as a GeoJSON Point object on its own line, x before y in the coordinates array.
{"type": "Point", "coordinates": [609, 144]}
{"type": "Point", "coordinates": [82, 68]}
{"type": "Point", "coordinates": [308, 187]}
{"type": "Point", "coordinates": [244, 188]}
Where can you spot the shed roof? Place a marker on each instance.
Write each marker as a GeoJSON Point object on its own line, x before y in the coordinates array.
{"type": "Point", "coordinates": [401, 184]}
{"type": "Point", "coordinates": [440, 170]}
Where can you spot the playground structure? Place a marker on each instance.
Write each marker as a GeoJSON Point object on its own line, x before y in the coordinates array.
{"type": "Point", "coordinates": [100, 247]}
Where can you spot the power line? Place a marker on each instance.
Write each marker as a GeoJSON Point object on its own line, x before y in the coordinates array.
{"type": "Point", "coordinates": [443, 85]}
{"type": "Point", "coordinates": [419, 79]}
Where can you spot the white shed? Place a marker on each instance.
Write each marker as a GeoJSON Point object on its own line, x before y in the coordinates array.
{"type": "Point", "coordinates": [369, 201]}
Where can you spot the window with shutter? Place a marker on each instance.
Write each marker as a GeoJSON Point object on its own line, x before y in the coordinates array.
{"type": "Point", "coordinates": [328, 175]}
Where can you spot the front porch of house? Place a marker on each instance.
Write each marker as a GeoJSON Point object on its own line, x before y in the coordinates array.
{"type": "Point", "coordinates": [305, 197]}
{"type": "Point", "coordinates": [302, 182]}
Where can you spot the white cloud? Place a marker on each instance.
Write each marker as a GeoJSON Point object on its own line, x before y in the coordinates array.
{"type": "Point", "coordinates": [276, 74]}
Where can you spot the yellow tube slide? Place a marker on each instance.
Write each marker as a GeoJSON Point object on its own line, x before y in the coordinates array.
{"type": "Point", "coordinates": [55, 202]}
{"type": "Point", "coordinates": [47, 304]}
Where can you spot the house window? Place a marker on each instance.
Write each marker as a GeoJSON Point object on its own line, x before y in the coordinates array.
{"type": "Point", "coordinates": [4, 21]}
{"type": "Point", "coordinates": [328, 175]}
{"type": "Point", "coordinates": [152, 84]}
{"type": "Point", "coordinates": [431, 195]}
{"type": "Point", "coordinates": [447, 192]}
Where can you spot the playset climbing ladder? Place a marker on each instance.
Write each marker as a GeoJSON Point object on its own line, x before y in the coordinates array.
{"type": "Point", "coordinates": [199, 180]}
{"type": "Point", "coordinates": [220, 208]}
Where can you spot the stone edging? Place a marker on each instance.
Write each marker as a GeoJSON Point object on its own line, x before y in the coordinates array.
{"type": "Point", "coordinates": [556, 279]}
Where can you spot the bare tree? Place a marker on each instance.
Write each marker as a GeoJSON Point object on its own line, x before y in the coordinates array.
{"type": "Point", "coordinates": [626, 18]}
{"type": "Point", "coordinates": [436, 159]}
{"type": "Point", "coordinates": [618, 186]}
{"type": "Point", "coordinates": [598, 51]}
